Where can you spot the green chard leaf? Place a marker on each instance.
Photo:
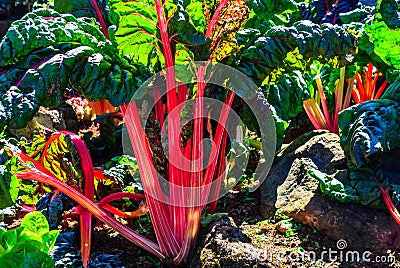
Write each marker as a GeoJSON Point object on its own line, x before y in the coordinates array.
{"type": "Point", "coordinates": [269, 51]}
{"type": "Point", "coordinates": [389, 12]}
{"type": "Point", "coordinates": [46, 52]}
{"type": "Point", "coordinates": [334, 188]}
{"type": "Point", "coordinates": [137, 33]}
{"type": "Point", "coordinates": [8, 187]}
{"type": "Point", "coordinates": [385, 42]}
{"type": "Point", "coordinates": [287, 94]}
{"type": "Point", "coordinates": [81, 9]}
{"type": "Point", "coordinates": [369, 128]}
{"type": "Point", "coordinates": [393, 91]}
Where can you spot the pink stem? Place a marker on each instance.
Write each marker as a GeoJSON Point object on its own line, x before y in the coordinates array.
{"type": "Point", "coordinates": [214, 19]}
{"type": "Point", "coordinates": [88, 174]}
{"type": "Point", "coordinates": [82, 200]}
{"type": "Point", "coordinates": [154, 196]}
{"type": "Point", "coordinates": [101, 19]}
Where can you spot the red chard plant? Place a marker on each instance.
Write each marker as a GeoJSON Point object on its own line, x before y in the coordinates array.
{"type": "Point", "coordinates": [157, 61]}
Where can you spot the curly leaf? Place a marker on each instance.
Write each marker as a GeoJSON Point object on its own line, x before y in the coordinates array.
{"type": "Point", "coordinates": [288, 94]}
{"type": "Point", "coordinates": [56, 52]}
{"type": "Point", "coordinates": [44, 28]}
{"type": "Point", "coordinates": [385, 42]}
{"type": "Point", "coordinates": [389, 12]}
{"type": "Point", "coordinates": [369, 128]}
{"type": "Point", "coordinates": [312, 40]}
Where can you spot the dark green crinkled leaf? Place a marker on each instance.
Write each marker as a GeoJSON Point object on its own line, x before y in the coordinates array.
{"type": "Point", "coordinates": [65, 254]}
{"type": "Point", "coordinates": [269, 51]}
{"type": "Point", "coordinates": [392, 92]}
{"type": "Point", "coordinates": [124, 169]}
{"type": "Point", "coordinates": [371, 142]}
{"type": "Point", "coordinates": [369, 133]}
{"type": "Point", "coordinates": [266, 9]}
{"type": "Point", "coordinates": [44, 28]}
{"type": "Point", "coordinates": [51, 52]}
{"type": "Point", "coordinates": [361, 14]}
{"type": "Point", "coordinates": [52, 206]}
{"type": "Point", "coordinates": [369, 128]}
{"type": "Point", "coordinates": [288, 94]}
{"type": "Point", "coordinates": [389, 12]}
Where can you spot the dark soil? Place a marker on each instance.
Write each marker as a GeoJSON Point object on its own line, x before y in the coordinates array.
{"type": "Point", "coordinates": [244, 209]}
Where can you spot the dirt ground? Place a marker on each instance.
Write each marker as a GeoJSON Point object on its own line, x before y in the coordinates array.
{"type": "Point", "coordinates": [306, 247]}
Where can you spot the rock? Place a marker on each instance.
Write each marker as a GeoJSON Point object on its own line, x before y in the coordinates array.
{"type": "Point", "coordinates": [225, 245]}
{"type": "Point", "coordinates": [290, 189]}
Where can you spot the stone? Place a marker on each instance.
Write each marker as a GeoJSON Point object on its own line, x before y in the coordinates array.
{"type": "Point", "coordinates": [290, 189]}
{"type": "Point", "coordinates": [225, 245]}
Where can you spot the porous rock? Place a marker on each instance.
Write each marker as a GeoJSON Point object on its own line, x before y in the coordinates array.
{"type": "Point", "coordinates": [290, 189]}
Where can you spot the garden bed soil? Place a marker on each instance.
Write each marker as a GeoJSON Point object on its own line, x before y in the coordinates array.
{"type": "Point", "coordinates": [244, 209]}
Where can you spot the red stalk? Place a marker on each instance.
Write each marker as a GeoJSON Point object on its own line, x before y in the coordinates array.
{"type": "Point", "coordinates": [214, 193]}
{"type": "Point", "coordinates": [141, 211]}
{"type": "Point", "coordinates": [132, 236]}
{"type": "Point", "coordinates": [101, 19]}
{"type": "Point", "coordinates": [356, 94]}
{"type": "Point", "coordinates": [380, 90]}
{"type": "Point", "coordinates": [37, 174]}
{"type": "Point", "coordinates": [88, 174]}
{"type": "Point", "coordinates": [214, 18]}
{"type": "Point", "coordinates": [158, 106]}
{"type": "Point", "coordinates": [173, 122]}
{"type": "Point", "coordinates": [104, 203]}
{"type": "Point", "coordinates": [221, 162]}
{"type": "Point", "coordinates": [376, 76]}
{"type": "Point", "coordinates": [116, 196]}
{"type": "Point", "coordinates": [321, 92]}
{"type": "Point", "coordinates": [210, 172]}
{"type": "Point", "coordinates": [366, 90]}
{"type": "Point", "coordinates": [157, 207]}
{"type": "Point", "coordinates": [389, 203]}
{"type": "Point", "coordinates": [360, 87]}
{"type": "Point", "coordinates": [315, 114]}
{"type": "Point", "coordinates": [368, 85]}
